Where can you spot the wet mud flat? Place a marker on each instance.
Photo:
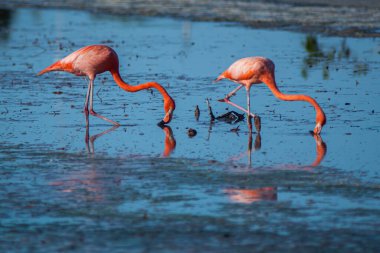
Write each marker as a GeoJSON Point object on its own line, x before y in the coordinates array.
{"type": "Point", "coordinates": [338, 17]}
{"type": "Point", "coordinates": [141, 188]}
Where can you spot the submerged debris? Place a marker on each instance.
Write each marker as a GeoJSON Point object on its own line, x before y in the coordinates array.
{"type": "Point", "coordinates": [257, 142]}
{"type": "Point", "coordinates": [231, 117]}
{"type": "Point", "coordinates": [212, 117]}
{"type": "Point", "coordinates": [235, 129]}
{"type": "Point", "coordinates": [257, 123]}
{"type": "Point", "coordinates": [196, 113]}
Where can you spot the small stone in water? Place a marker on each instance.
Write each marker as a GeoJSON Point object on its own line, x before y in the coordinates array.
{"type": "Point", "coordinates": [191, 132]}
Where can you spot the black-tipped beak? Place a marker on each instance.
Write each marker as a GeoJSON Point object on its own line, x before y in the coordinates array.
{"type": "Point", "coordinates": [161, 124]}
{"type": "Point", "coordinates": [312, 133]}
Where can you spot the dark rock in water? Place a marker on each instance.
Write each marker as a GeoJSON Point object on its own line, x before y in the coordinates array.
{"type": "Point", "coordinates": [231, 117]}
{"type": "Point", "coordinates": [191, 132]}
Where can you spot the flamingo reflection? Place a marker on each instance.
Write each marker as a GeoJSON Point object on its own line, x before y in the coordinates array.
{"type": "Point", "coordinates": [321, 150]}
{"type": "Point", "coordinates": [169, 142]}
{"type": "Point", "coordinates": [90, 179]}
{"type": "Point", "coordinates": [89, 140]}
{"type": "Point", "coordinates": [251, 148]}
{"type": "Point", "coordinates": [248, 196]}
{"type": "Point", "coordinates": [85, 180]}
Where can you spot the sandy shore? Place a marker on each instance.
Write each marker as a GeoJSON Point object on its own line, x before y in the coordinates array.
{"type": "Point", "coordinates": [332, 17]}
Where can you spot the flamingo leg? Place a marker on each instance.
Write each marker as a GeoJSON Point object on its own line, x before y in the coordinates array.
{"type": "Point", "coordinates": [85, 110]}
{"type": "Point", "coordinates": [237, 106]}
{"type": "Point", "coordinates": [249, 117]}
{"type": "Point", "coordinates": [232, 93]}
{"type": "Point", "coordinates": [92, 112]}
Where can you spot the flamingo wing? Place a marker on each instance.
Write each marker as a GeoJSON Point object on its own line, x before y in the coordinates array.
{"type": "Point", "coordinates": [248, 70]}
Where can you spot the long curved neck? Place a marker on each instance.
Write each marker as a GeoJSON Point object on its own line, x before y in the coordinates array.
{"type": "Point", "coordinates": [134, 88]}
{"type": "Point", "coordinates": [320, 115]}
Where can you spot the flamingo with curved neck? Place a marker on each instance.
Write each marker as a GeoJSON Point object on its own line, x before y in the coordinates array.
{"type": "Point", "coordinates": [254, 70]}
{"type": "Point", "coordinates": [95, 59]}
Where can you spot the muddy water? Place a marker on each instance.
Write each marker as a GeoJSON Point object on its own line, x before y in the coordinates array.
{"type": "Point", "coordinates": [143, 188]}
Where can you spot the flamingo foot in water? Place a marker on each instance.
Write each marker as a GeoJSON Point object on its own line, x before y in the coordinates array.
{"type": "Point", "coordinates": [92, 112]}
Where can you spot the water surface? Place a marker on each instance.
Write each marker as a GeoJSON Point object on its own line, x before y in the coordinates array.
{"type": "Point", "coordinates": [143, 188]}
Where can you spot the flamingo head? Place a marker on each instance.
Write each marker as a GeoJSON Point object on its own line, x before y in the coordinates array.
{"type": "Point", "coordinates": [321, 121]}
{"type": "Point", "coordinates": [169, 107]}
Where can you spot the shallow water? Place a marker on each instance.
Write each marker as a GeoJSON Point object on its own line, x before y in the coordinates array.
{"type": "Point", "coordinates": [143, 188]}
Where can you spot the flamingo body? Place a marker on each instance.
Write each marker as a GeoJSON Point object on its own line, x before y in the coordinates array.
{"type": "Point", "coordinates": [255, 70]}
{"type": "Point", "coordinates": [87, 61]}
{"type": "Point", "coordinates": [248, 71]}
{"type": "Point", "coordinates": [96, 59]}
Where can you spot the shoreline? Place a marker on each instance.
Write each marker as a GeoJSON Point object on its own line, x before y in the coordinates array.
{"type": "Point", "coordinates": [309, 16]}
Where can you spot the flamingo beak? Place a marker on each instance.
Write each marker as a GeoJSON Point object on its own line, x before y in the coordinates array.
{"type": "Point", "coordinates": [161, 124]}
{"type": "Point", "coordinates": [167, 118]}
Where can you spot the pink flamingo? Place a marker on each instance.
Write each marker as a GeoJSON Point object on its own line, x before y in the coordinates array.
{"type": "Point", "coordinates": [95, 59]}
{"type": "Point", "coordinates": [255, 70]}
{"type": "Point", "coordinates": [248, 196]}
